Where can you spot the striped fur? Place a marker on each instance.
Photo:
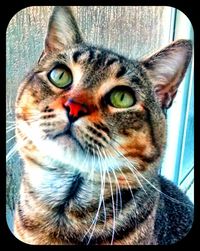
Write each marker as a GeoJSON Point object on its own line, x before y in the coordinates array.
{"type": "Point", "coordinates": [94, 179]}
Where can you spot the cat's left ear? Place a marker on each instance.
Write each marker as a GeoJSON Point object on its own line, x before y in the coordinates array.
{"type": "Point", "coordinates": [62, 31]}
{"type": "Point", "coordinates": [166, 69]}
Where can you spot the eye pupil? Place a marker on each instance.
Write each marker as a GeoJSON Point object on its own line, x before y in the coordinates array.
{"type": "Point", "coordinates": [61, 75]}
{"type": "Point", "coordinates": [122, 96]}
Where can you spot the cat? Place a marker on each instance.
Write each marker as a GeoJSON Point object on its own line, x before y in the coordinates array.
{"type": "Point", "coordinates": [91, 130]}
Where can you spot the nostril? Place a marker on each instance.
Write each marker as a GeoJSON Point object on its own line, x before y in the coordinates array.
{"type": "Point", "coordinates": [81, 113]}
{"type": "Point", "coordinates": [67, 108]}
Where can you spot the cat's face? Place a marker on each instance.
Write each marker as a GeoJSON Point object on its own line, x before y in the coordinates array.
{"type": "Point", "coordinates": [85, 103]}
{"type": "Point", "coordinates": [88, 110]}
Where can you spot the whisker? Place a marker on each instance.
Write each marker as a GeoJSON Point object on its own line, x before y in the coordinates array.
{"type": "Point", "coordinates": [114, 220]}
{"type": "Point", "coordinates": [148, 182]}
{"type": "Point", "coordinates": [10, 121]}
{"type": "Point", "coordinates": [93, 225]}
{"type": "Point", "coordinates": [120, 169]}
{"type": "Point", "coordinates": [103, 178]}
{"type": "Point", "coordinates": [14, 149]}
{"type": "Point", "coordinates": [11, 126]}
{"type": "Point", "coordinates": [132, 170]}
{"type": "Point", "coordinates": [10, 129]}
{"type": "Point", "coordinates": [113, 205]}
{"type": "Point", "coordinates": [9, 112]}
{"type": "Point", "coordinates": [12, 152]}
{"type": "Point", "coordinates": [118, 189]}
{"type": "Point", "coordinates": [11, 138]}
{"type": "Point", "coordinates": [84, 161]}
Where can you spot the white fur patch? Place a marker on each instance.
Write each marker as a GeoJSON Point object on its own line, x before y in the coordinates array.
{"type": "Point", "coordinates": [70, 158]}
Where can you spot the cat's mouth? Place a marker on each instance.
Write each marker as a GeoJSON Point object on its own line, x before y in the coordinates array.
{"type": "Point", "coordinates": [78, 141]}
{"type": "Point", "coordinates": [84, 146]}
{"type": "Point", "coordinates": [68, 133]}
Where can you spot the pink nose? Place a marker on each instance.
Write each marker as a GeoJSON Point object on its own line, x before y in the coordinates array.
{"type": "Point", "coordinates": [75, 110]}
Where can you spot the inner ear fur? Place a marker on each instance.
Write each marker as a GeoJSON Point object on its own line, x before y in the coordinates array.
{"type": "Point", "coordinates": [166, 69]}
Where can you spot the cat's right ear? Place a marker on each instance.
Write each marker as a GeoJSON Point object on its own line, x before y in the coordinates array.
{"type": "Point", "coordinates": [62, 31]}
{"type": "Point", "coordinates": [166, 70]}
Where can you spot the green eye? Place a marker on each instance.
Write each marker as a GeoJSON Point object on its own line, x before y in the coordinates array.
{"type": "Point", "coordinates": [60, 77]}
{"type": "Point", "coordinates": [120, 98]}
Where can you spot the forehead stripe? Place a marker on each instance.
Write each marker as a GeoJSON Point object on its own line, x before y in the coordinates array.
{"type": "Point", "coordinates": [121, 72]}
{"type": "Point", "coordinates": [91, 56]}
{"type": "Point", "coordinates": [77, 55]}
{"type": "Point", "coordinates": [135, 80]}
{"type": "Point", "coordinates": [111, 61]}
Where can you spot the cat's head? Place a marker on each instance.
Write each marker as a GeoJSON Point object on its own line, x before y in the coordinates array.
{"type": "Point", "coordinates": [89, 109]}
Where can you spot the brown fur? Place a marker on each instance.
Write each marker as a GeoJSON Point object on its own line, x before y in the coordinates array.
{"type": "Point", "coordinates": [48, 211]}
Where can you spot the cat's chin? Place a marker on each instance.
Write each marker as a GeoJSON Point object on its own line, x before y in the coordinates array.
{"type": "Point", "coordinates": [67, 140]}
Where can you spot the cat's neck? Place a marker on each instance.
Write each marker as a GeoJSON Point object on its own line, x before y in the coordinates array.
{"type": "Point", "coordinates": [43, 199]}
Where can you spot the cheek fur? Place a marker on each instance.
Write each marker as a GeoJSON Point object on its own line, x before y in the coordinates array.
{"type": "Point", "coordinates": [27, 107]}
{"type": "Point", "coordinates": [138, 146]}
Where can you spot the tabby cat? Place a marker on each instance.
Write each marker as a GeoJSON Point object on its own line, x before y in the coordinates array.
{"type": "Point", "coordinates": [91, 130]}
